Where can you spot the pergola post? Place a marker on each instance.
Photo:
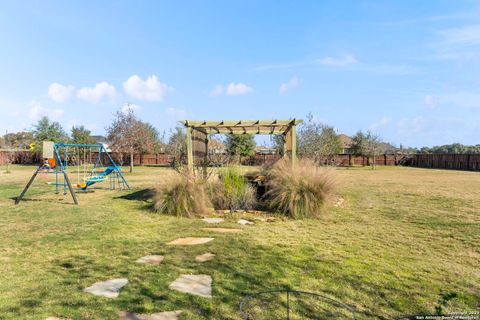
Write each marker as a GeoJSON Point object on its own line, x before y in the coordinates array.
{"type": "Point", "coordinates": [285, 146]}
{"type": "Point", "coordinates": [189, 150]}
{"type": "Point", "coordinates": [293, 133]}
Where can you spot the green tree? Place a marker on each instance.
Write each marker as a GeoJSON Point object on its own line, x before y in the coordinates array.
{"type": "Point", "coordinates": [367, 144]}
{"type": "Point", "coordinates": [18, 140]}
{"type": "Point", "coordinates": [45, 130]}
{"type": "Point", "coordinates": [81, 135]}
{"type": "Point", "coordinates": [240, 145]}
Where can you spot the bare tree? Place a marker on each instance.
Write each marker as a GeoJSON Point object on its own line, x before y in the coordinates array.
{"type": "Point", "coordinates": [177, 145]}
{"type": "Point", "coordinates": [318, 141]}
{"type": "Point", "coordinates": [127, 134]}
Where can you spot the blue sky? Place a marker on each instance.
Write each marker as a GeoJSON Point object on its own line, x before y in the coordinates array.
{"type": "Point", "coordinates": [407, 70]}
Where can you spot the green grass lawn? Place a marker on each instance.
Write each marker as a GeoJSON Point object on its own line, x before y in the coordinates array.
{"type": "Point", "coordinates": [401, 238]}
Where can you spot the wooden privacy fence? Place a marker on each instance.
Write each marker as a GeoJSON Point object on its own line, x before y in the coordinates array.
{"type": "Point", "coordinates": [445, 161]}
{"type": "Point", "coordinates": [438, 161]}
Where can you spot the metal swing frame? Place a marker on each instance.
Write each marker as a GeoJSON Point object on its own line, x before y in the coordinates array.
{"type": "Point", "coordinates": [61, 166]}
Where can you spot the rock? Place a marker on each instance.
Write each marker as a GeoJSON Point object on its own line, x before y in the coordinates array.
{"type": "Point", "coordinates": [154, 259]}
{"type": "Point", "coordinates": [223, 230]}
{"type": "Point", "coordinates": [339, 202]}
{"type": "Point", "coordinates": [205, 257]}
{"type": "Point", "coordinates": [109, 289]}
{"type": "Point", "coordinates": [244, 222]}
{"type": "Point", "coordinates": [189, 241]}
{"type": "Point", "coordinates": [213, 220]}
{"type": "Point", "coordinates": [200, 285]}
{"type": "Point", "coordinates": [167, 315]}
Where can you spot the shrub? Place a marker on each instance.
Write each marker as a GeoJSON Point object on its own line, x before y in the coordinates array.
{"type": "Point", "coordinates": [232, 191]}
{"type": "Point", "coordinates": [185, 196]}
{"type": "Point", "coordinates": [300, 191]}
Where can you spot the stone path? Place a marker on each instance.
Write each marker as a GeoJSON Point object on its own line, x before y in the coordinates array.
{"type": "Point", "coordinates": [244, 222]}
{"type": "Point", "coordinates": [223, 230]}
{"type": "Point", "coordinates": [189, 241]}
{"type": "Point", "coordinates": [154, 259]}
{"type": "Point", "coordinates": [200, 285]}
{"type": "Point", "coordinates": [213, 220]}
{"type": "Point", "coordinates": [109, 289]}
{"type": "Point", "coordinates": [205, 257]}
{"type": "Point", "coordinates": [168, 315]}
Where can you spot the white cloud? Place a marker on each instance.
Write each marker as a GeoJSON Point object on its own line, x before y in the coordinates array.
{"type": "Point", "coordinates": [382, 123]}
{"type": "Point", "coordinates": [217, 90]}
{"type": "Point", "coordinates": [461, 99]}
{"type": "Point", "coordinates": [455, 99]}
{"type": "Point", "coordinates": [430, 101]}
{"type": "Point", "coordinates": [97, 93]}
{"type": "Point", "coordinates": [238, 88]}
{"type": "Point", "coordinates": [411, 126]}
{"type": "Point", "coordinates": [178, 114]}
{"type": "Point", "coordinates": [129, 106]}
{"type": "Point", "coordinates": [467, 35]}
{"type": "Point", "coordinates": [150, 89]}
{"type": "Point", "coordinates": [341, 61]}
{"type": "Point", "coordinates": [231, 89]}
{"type": "Point", "coordinates": [37, 110]}
{"type": "Point", "coordinates": [292, 83]}
{"type": "Point", "coordinates": [60, 93]}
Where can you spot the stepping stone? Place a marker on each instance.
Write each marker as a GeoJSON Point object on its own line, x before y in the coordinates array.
{"type": "Point", "coordinates": [150, 259]}
{"type": "Point", "coordinates": [244, 222]}
{"type": "Point", "coordinates": [205, 257]}
{"type": "Point", "coordinates": [168, 315]}
{"type": "Point", "coordinates": [200, 285]}
{"type": "Point", "coordinates": [223, 230]}
{"type": "Point", "coordinates": [213, 220]}
{"type": "Point", "coordinates": [189, 241]}
{"type": "Point", "coordinates": [109, 289]}
{"type": "Point", "coordinates": [55, 318]}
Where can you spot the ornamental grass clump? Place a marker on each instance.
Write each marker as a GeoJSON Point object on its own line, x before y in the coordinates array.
{"type": "Point", "coordinates": [185, 196]}
{"type": "Point", "coordinates": [232, 191]}
{"type": "Point", "coordinates": [299, 191]}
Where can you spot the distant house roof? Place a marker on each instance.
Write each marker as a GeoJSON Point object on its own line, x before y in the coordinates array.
{"type": "Point", "coordinates": [346, 140]}
{"type": "Point", "coordinates": [215, 144]}
{"type": "Point", "coordinates": [265, 150]}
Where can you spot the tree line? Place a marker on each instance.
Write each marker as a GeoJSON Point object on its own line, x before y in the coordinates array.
{"type": "Point", "coordinates": [447, 148]}
{"type": "Point", "coordinates": [127, 134]}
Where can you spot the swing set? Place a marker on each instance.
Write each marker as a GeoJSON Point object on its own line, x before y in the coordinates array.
{"type": "Point", "coordinates": [59, 157]}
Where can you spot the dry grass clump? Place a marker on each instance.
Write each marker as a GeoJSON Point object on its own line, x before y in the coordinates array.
{"type": "Point", "coordinates": [300, 191]}
{"type": "Point", "coordinates": [231, 191]}
{"type": "Point", "coordinates": [185, 196]}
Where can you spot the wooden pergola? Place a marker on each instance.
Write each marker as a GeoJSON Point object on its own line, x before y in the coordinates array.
{"type": "Point", "coordinates": [199, 131]}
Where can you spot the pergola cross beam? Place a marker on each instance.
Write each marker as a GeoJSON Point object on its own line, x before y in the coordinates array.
{"type": "Point", "coordinates": [198, 131]}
